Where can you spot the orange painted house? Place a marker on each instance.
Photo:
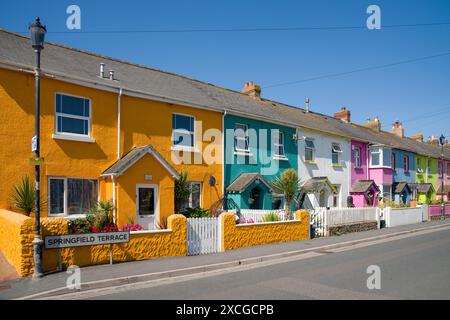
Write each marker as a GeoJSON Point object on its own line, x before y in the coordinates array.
{"type": "Point", "coordinates": [103, 136]}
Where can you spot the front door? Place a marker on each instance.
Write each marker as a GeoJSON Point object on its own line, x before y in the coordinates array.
{"type": "Point", "coordinates": [147, 206]}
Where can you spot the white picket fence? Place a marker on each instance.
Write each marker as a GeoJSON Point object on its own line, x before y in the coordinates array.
{"type": "Point", "coordinates": [258, 215]}
{"type": "Point", "coordinates": [402, 216]}
{"type": "Point", "coordinates": [203, 236]}
{"type": "Point", "coordinates": [323, 218]}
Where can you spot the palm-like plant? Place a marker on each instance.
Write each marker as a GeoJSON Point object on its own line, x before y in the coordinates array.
{"type": "Point", "coordinates": [182, 191]}
{"type": "Point", "coordinates": [289, 184]}
{"type": "Point", "coordinates": [23, 197]}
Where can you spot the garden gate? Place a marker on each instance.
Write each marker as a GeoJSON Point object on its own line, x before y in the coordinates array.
{"type": "Point", "coordinates": [203, 236]}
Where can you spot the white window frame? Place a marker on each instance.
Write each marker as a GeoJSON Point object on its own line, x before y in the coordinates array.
{"type": "Point", "coordinates": [336, 149]}
{"type": "Point", "coordinates": [419, 166]}
{"type": "Point", "coordinates": [245, 139]}
{"type": "Point", "coordinates": [313, 149]}
{"type": "Point", "coordinates": [279, 142]}
{"type": "Point", "coordinates": [66, 115]}
{"type": "Point", "coordinates": [65, 213]}
{"type": "Point", "coordinates": [184, 131]}
{"type": "Point", "coordinates": [357, 158]}
{"type": "Point", "coordinates": [380, 150]}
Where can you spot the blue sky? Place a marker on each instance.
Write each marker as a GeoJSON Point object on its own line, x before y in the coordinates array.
{"type": "Point", "coordinates": [417, 93]}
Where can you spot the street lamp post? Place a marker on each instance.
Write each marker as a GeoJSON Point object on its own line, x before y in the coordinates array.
{"type": "Point", "coordinates": [442, 143]}
{"type": "Point", "coordinates": [37, 31]}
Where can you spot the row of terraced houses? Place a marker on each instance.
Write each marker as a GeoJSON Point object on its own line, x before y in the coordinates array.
{"type": "Point", "coordinates": [117, 130]}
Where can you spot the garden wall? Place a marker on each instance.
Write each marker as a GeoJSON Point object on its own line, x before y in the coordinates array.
{"type": "Point", "coordinates": [245, 235]}
{"type": "Point", "coordinates": [16, 236]}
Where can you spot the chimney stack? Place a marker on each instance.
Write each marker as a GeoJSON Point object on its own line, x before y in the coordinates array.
{"type": "Point", "coordinates": [397, 128]}
{"type": "Point", "coordinates": [344, 115]}
{"type": "Point", "coordinates": [418, 137]}
{"type": "Point", "coordinates": [252, 90]}
{"type": "Point", "coordinates": [374, 124]}
{"type": "Point", "coordinates": [433, 140]}
{"type": "Point", "coordinates": [111, 75]}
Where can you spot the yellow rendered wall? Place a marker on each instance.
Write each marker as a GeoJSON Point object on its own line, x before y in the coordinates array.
{"type": "Point", "coordinates": [245, 235]}
{"type": "Point", "coordinates": [147, 165]}
{"type": "Point", "coordinates": [16, 236]}
{"type": "Point", "coordinates": [143, 122]}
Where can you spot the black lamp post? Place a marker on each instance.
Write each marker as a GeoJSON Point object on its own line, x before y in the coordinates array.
{"type": "Point", "coordinates": [442, 143]}
{"type": "Point", "coordinates": [37, 31]}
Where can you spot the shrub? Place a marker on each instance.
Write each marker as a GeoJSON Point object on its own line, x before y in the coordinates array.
{"type": "Point", "coordinates": [270, 217]}
{"type": "Point", "coordinates": [197, 213]}
{"type": "Point", "coordinates": [78, 226]}
{"type": "Point", "coordinates": [100, 216]}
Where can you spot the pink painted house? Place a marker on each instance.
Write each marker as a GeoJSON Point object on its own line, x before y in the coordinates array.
{"type": "Point", "coordinates": [443, 170]}
{"type": "Point", "coordinates": [371, 173]}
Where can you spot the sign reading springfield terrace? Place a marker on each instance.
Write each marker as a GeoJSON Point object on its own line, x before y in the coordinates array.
{"type": "Point", "coordinates": [86, 239]}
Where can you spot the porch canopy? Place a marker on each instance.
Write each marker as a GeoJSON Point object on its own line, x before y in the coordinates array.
{"type": "Point", "coordinates": [423, 188]}
{"type": "Point", "coordinates": [316, 184]}
{"type": "Point", "coordinates": [364, 186]}
{"type": "Point", "coordinates": [252, 191]}
{"type": "Point", "coordinates": [401, 187]}
{"type": "Point", "coordinates": [445, 191]}
{"type": "Point", "coordinates": [124, 163]}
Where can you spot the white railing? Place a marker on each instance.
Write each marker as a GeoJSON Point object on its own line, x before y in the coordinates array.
{"type": "Point", "coordinates": [258, 215]}
{"type": "Point", "coordinates": [203, 236]}
{"type": "Point", "coordinates": [403, 216]}
{"type": "Point", "coordinates": [323, 218]}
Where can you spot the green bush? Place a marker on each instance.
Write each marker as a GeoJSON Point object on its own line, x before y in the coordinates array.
{"type": "Point", "coordinates": [101, 215]}
{"type": "Point", "coordinates": [270, 217]}
{"type": "Point", "coordinates": [79, 226]}
{"type": "Point", "coordinates": [197, 213]}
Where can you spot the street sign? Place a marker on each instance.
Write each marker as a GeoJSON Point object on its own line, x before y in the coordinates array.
{"type": "Point", "coordinates": [86, 239]}
{"type": "Point", "coordinates": [34, 144]}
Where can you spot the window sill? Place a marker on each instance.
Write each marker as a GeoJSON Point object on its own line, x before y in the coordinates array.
{"type": "Point", "coordinates": [66, 216]}
{"type": "Point", "coordinates": [185, 149]}
{"type": "Point", "coordinates": [243, 153]}
{"type": "Point", "coordinates": [70, 137]}
{"type": "Point", "coordinates": [280, 158]}
{"type": "Point", "coordinates": [337, 165]}
{"type": "Point", "coordinates": [311, 163]}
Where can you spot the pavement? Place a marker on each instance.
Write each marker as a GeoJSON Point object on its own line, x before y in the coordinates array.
{"type": "Point", "coordinates": [95, 277]}
{"type": "Point", "coordinates": [7, 271]}
{"type": "Point", "coordinates": [415, 267]}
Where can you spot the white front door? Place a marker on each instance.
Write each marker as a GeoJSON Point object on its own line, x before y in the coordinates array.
{"type": "Point", "coordinates": [147, 205]}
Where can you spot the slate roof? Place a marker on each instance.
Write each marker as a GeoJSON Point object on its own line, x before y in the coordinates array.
{"type": "Point", "coordinates": [400, 186]}
{"type": "Point", "coordinates": [362, 186]}
{"type": "Point", "coordinates": [422, 187]}
{"type": "Point", "coordinates": [121, 165]}
{"type": "Point", "coordinates": [244, 180]}
{"type": "Point", "coordinates": [312, 185]}
{"type": "Point", "coordinates": [63, 61]}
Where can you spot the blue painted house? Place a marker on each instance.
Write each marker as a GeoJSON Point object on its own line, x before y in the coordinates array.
{"type": "Point", "coordinates": [404, 174]}
{"type": "Point", "coordinates": [255, 153]}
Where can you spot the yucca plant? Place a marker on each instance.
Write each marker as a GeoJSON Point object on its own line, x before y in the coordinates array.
{"type": "Point", "coordinates": [23, 197]}
{"type": "Point", "coordinates": [289, 184]}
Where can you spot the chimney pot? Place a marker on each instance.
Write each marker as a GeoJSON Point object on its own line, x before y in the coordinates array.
{"type": "Point", "coordinates": [111, 75]}
{"type": "Point", "coordinates": [102, 70]}
{"type": "Point", "coordinates": [252, 90]}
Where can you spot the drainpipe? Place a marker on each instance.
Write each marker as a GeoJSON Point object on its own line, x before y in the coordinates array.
{"type": "Point", "coordinates": [119, 100]}
{"type": "Point", "coordinates": [223, 152]}
{"type": "Point", "coordinates": [114, 199]}
{"type": "Point", "coordinates": [367, 161]}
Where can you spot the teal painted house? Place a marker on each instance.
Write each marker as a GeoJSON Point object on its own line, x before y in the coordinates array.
{"type": "Point", "coordinates": [255, 153]}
